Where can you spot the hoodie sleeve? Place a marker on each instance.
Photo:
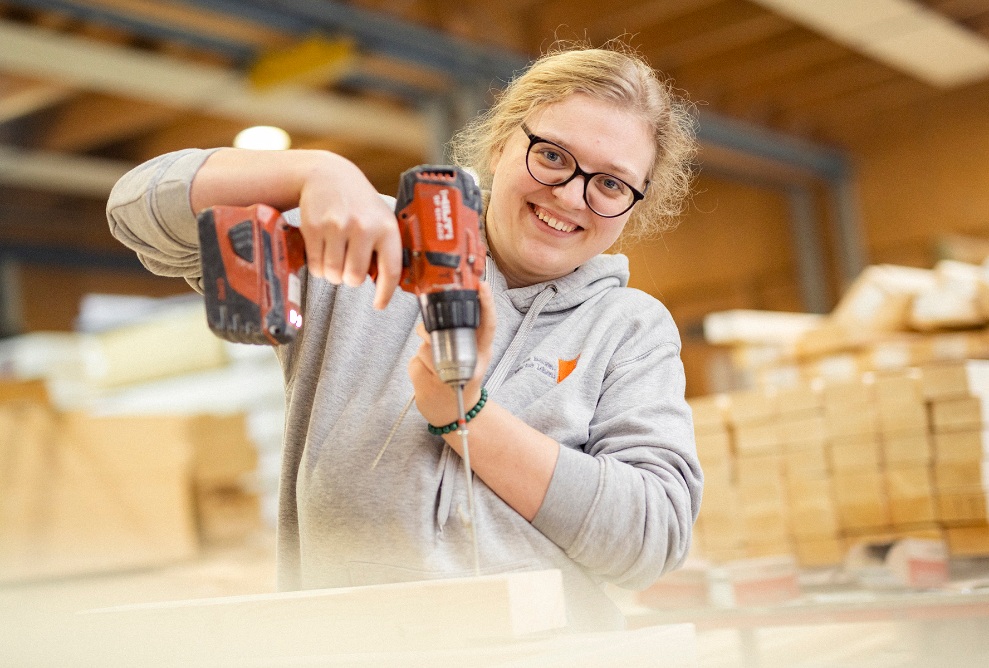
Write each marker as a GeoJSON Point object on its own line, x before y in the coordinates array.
{"type": "Point", "coordinates": [624, 505]}
{"type": "Point", "coordinates": [149, 212]}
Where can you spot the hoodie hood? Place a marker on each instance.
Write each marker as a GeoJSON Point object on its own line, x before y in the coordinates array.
{"type": "Point", "coordinates": [600, 273]}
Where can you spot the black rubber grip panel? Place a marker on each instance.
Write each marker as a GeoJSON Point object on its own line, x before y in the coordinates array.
{"type": "Point", "coordinates": [451, 309]}
{"type": "Point", "coordinates": [451, 260]}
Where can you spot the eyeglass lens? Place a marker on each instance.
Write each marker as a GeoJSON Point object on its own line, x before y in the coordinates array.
{"type": "Point", "coordinates": [553, 165]}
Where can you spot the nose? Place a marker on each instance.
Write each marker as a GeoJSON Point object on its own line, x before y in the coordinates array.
{"type": "Point", "coordinates": [572, 192]}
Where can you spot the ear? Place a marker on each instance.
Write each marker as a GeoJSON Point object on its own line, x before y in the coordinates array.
{"type": "Point", "coordinates": [496, 158]}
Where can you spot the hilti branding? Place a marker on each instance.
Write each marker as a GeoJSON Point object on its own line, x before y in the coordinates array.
{"type": "Point", "coordinates": [444, 220]}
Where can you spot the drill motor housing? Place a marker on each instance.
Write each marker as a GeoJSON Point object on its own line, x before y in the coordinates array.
{"type": "Point", "coordinates": [252, 263]}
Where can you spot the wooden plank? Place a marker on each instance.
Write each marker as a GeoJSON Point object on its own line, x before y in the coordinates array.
{"type": "Point", "coordinates": [89, 495]}
{"type": "Point", "coordinates": [962, 414]}
{"type": "Point", "coordinates": [906, 448]}
{"type": "Point", "coordinates": [431, 614]}
{"type": "Point", "coordinates": [955, 379]}
{"type": "Point", "coordinates": [962, 446]}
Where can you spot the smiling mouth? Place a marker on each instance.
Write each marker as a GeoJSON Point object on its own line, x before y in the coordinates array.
{"type": "Point", "coordinates": [558, 225]}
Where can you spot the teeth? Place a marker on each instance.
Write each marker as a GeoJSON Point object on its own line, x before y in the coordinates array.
{"type": "Point", "coordinates": [554, 223]}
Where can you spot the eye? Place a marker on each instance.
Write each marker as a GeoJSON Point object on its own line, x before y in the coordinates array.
{"type": "Point", "coordinates": [551, 156]}
{"type": "Point", "coordinates": [612, 186]}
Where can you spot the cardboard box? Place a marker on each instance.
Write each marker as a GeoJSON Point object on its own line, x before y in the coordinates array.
{"type": "Point", "coordinates": [894, 389]}
{"type": "Point", "coordinates": [800, 399]}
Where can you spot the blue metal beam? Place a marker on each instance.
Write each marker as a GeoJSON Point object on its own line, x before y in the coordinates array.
{"type": "Point", "coordinates": [146, 28]}
{"type": "Point", "coordinates": [60, 256]}
{"type": "Point", "coordinates": [465, 61]}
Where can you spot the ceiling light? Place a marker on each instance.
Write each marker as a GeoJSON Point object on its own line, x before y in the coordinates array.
{"type": "Point", "coordinates": [263, 138]}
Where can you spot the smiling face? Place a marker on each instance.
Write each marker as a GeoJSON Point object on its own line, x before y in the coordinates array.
{"type": "Point", "coordinates": [538, 233]}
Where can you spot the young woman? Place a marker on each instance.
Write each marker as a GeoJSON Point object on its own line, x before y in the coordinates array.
{"type": "Point", "coordinates": [583, 455]}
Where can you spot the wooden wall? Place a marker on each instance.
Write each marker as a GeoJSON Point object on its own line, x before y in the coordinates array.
{"type": "Point", "coordinates": [923, 172]}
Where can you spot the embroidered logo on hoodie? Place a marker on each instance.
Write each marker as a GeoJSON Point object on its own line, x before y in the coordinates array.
{"type": "Point", "coordinates": [557, 370]}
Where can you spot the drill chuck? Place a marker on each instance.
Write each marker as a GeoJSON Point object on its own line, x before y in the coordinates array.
{"type": "Point", "coordinates": [451, 318]}
{"type": "Point", "coordinates": [454, 353]}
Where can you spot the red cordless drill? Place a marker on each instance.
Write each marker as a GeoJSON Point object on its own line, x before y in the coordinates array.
{"type": "Point", "coordinates": [252, 262]}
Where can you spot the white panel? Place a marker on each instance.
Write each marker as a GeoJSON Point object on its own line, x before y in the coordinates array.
{"type": "Point", "coordinates": [900, 33]}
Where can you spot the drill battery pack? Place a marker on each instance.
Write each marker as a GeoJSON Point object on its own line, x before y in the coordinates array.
{"type": "Point", "coordinates": [252, 262]}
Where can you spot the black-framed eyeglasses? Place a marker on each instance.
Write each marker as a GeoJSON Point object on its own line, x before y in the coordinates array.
{"type": "Point", "coordinates": [552, 165]}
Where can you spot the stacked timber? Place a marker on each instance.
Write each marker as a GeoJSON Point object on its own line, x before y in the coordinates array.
{"type": "Point", "coordinates": [84, 494]}
{"type": "Point", "coordinates": [810, 469]}
{"type": "Point", "coordinates": [890, 318]}
{"type": "Point", "coordinates": [132, 447]}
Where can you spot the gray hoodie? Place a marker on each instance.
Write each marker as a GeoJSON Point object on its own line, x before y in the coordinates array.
{"type": "Point", "coordinates": [584, 359]}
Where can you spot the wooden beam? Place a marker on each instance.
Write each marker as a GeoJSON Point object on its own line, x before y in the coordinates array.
{"type": "Point", "coordinates": [711, 30]}
{"type": "Point", "coordinates": [198, 19]}
{"type": "Point", "coordinates": [408, 616]}
{"type": "Point", "coordinates": [206, 89]}
{"type": "Point", "coordinates": [630, 17]}
{"type": "Point", "coordinates": [98, 120]}
{"type": "Point", "coordinates": [59, 172]}
{"type": "Point", "coordinates": [749, 64]}
{"type": "Point", "coordinates": [854, 108]}
{"type": "Point", "coordinates": [22, 97]}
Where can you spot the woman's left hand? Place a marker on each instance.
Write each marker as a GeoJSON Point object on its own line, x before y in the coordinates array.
{"type": "Point", "coordinates": [434, 398]}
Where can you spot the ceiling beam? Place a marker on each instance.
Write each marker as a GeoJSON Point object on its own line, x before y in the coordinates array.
{"type": "Point", "coordinates": [59, 172]}
{"type": "Point", "coordinates": [93, 121]}
{"type": "Point", "coordinates": [114, 70]}
{"type": "Point", "coordinates": [21, 97]}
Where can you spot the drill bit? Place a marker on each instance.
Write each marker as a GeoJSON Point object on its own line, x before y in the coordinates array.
{"type": "Point", "coordinates": [462, 430]}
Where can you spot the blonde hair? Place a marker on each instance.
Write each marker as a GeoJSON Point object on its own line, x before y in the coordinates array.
{"type": "Point", "coordinates": [613, 73]}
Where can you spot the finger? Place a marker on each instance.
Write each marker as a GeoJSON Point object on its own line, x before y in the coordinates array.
{"type": "Point", "coordinates": [425, 356]}
{"type": "Point", "coordinates": [389, 259]}
{"type": "Point", "coordinates": [421, 331]}
{"type": "Point", "coordinates": [358, 257]}
{"type": "Point", "coordinates": [334, 255]}
{"type": "Point", "coordinates": [324, 248]}
{"type": "Point", "coordinates": [314, 257]}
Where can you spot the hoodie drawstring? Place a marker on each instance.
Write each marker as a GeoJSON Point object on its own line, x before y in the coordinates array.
{"type": "Point", "coordinates": [451, 466]}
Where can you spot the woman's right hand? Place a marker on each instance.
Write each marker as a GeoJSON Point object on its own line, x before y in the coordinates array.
{"type": "Point", "coordinates": [345, 222]}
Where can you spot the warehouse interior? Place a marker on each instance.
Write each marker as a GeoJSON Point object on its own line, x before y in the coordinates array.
{"type": "Point", "coordinates": [829, 277]}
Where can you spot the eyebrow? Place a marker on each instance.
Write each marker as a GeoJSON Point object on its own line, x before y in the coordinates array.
{"type": "Point", "coordinates": [614, 169]}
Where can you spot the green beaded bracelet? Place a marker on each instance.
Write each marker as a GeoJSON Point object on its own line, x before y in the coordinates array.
{"type": "Point", "coordinates": [471, 414]}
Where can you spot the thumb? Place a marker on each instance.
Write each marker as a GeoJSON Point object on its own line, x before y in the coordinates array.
{"type": "Point", "coordinates": [489, 317]}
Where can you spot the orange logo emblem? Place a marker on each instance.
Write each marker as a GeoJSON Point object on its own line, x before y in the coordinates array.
{"type": "Point", "coordinates": [565, 368]}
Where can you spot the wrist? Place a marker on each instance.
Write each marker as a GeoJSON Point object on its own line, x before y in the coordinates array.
{"type": "Point", "coordinates": [469, 414]}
